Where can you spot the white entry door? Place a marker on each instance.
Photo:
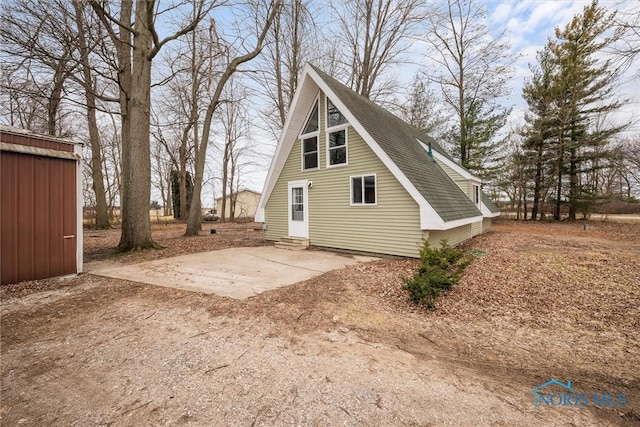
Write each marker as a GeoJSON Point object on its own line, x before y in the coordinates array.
{"type": "Point", "coordinates": [298, 209]}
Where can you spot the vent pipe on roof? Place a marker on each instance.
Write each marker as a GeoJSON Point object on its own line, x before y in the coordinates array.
{"type": "Point", "coordinates": [430, 151]}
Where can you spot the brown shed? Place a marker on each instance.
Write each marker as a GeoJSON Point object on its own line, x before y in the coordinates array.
{"type": "Point", "coordinates": [40, 206]}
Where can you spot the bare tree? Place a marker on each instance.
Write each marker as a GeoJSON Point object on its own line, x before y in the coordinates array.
{"type": "Point", "coordinates": [193, 220]}
{"type": "Point", "coordinates": [38, 39]}
{"type": "Point", "coordinates": [374, 36]}
{"type": "Point", "coordinates": [22, 107]}
{"type": "Point", "coordinates": [472, 68]}
{"type": "Point", "coordinates": [191, 67]}
{"type": "Point", "coordinates": [102, 214]}
{"type": "Point", "coordinates": [236, 127]}
{"type": "Point", "coordinates": [50, 45]}
{"type": "Point", "coordinates": [161, 168]}
{"type": "Point", "coordinates": [627, 24]}
{"type": "Point", "coordinates": [289, 45]}
{"type": "Point", "coordinates": [137, 45]}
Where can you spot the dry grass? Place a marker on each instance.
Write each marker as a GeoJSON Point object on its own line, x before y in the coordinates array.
{"type": "Point", "coordinates": [547, 301]}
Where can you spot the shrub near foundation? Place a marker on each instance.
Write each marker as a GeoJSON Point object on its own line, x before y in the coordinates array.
{"type": "Point", "coordinates": [440, 269]}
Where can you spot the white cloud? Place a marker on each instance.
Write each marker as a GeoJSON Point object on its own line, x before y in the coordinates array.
{"type": "Point", "coordinates": [501, 13]}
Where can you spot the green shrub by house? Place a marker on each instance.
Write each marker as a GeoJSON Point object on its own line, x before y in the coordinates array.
{"type": "Point", "coordinates": [440, 269]}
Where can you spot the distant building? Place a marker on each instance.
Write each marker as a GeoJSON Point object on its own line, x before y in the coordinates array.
{"type": "Point", "coordinates": [246, 204]}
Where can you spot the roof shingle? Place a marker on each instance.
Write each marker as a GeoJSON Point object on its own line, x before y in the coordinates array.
{"type": "Point", "coordinates": [399, 140]}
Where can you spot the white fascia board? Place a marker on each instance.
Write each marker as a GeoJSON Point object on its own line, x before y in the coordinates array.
{"type": "Point", "coordinates": [456, 167]}
{"type": "Point", "coordinates": [464, 221]}
{"type": "Point", "coordinates": [77, 150]}
{"type": "Point", "coordinates": [259, 212]}
{"type": "Point", "coordinates": [429, 218]}
{"type": "Point", "coordinates": [287, 139]}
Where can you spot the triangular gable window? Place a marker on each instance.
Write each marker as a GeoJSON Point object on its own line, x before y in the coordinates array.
{"type": "Point", "coordinates": [312, 123]}
{"type": "Point", "coordinates": [309, 137]}
{"type": "Point", "coordinates": [335, 117]}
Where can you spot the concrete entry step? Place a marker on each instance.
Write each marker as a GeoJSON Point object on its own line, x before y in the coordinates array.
{"type": "Point", "coordinates": [291, 242]}
{"type": "Point", "coordinates": [289, 246]}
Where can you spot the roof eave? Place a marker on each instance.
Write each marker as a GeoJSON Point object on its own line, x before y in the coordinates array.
{"type": "Point", "coordinates": [279, 157]}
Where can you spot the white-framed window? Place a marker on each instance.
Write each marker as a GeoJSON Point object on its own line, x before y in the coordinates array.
{"type": "Point", "coordinates": [476, 194]}
{"type": "Point", "coordinates": [297, 204]}
{"type": "Point", "coordinates": [309, 140]}
{"type": "Point", "coordinates": [364, 190]}
{"type": "Point", "coordinates": [337, 125]}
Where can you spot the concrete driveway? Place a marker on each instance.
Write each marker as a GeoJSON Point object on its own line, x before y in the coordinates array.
{"type": "Point", "coordinates": [236, 272]}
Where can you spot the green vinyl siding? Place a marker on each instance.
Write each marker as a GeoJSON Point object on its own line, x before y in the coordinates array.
{"type": "Point", "coordinates": [486, 224]}
{"type": "Point", "coordinates": [392, 226]}
{"type": "Point", "coordinates": [476, 228]}
{"type": "Point", "coordinates": [464, 184]}
{"type": "Point", "coordinates": [454, 236]}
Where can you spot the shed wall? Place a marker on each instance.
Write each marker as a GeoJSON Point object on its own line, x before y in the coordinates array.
{"type": "Point", "coordinates": [40, 228]}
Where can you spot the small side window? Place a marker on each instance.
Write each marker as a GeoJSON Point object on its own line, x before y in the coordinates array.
{"type": "Point", "coordinates": [363, 190]}
{"type": "Point", "coordinates": [476, 194]}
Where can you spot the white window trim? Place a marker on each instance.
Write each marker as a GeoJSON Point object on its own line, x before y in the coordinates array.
{"type": "Point", "coordinates": [307, 136]}
{"type": "Point", "coordinates": [304, 136]}
{"type": "Point", "coordinates": [473, 195]}
{"type": "Point", "coordinates": [332, 129]}
{"type": "Point", "coordinates": [344, 127]}
{"type": "Point", "coordinates": [326, 116]}
{"type": "Point", "coordinates": [375, 180]}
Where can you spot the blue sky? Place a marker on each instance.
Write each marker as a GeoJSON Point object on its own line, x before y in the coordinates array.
{"type": "Point", "coordinates": [530, 24]}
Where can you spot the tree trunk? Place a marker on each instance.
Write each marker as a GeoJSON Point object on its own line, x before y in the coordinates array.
{"type": "Point", "coordinates": [537, 183]}
{"type": "Point", "coordinates": [556, 212]}
{"type": "Point", "coordinates": [573, 185]}
{"type": "Point", "coordinates": [233, 190]}
{"type": "Point", "coordinates": [194, 222]}
{"type": "Point", "coordinates": [184, 208]}
{"type": "Point", "coordinates": [225, 176]}
{"type": "Point", "coordinates": [278, 70]}
{"type": "Point", "coordinates": [464, 161]}
{"type": "Point", "coordinates": [102, 211]}
{"type": "Point", "coordinates": [168, 208]}
{"type": "Point", "coordinates": [55, 98]}
{"type": "Point", "coordinates": [123, 48]}
{"type": "Point", "coordinates": [136, 224]}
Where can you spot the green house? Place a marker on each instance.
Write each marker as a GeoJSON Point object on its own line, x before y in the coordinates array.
{"type": "Point", "coordinates": [347, 174]}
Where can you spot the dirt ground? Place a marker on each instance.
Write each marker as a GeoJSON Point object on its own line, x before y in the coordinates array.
{"type": "Point", "coordinates": [540, 301]}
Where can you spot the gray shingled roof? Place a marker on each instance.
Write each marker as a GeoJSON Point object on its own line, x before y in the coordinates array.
{"type": "Point", "coordinates": [489, 203]}
{"type": "Point", "coordinates": [398, 139]}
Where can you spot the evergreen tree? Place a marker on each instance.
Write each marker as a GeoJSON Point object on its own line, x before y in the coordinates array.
{"type": "Point", "coordinates": [175, 192]}
{"type": "Point", "coordinates": [422, 110]}
{"type": "Point", "coordinates": [482, 147]}
{"type": "Point", "coordinates": [570, 92]}
{"type": "Point", "coordinates": [541, 126]}
{"type": "Point", "coordinates": [585, 83]}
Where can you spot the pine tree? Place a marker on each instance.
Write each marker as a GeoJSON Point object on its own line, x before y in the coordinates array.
{"type": "Point", "coordinates": [422, 111]}
{"type": "Point", "coordinates": [585, 84]}
{"type": "Point", "coordinates": [483, 151]}
{"type": "Point", "coordinates": [175, 192]}
{"type": "Point", "coordinates": [541, 126]}
{"type": "Point", "coordinates": [570, 92]}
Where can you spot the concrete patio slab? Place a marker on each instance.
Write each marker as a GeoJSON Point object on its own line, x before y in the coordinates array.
{"type": "Point", "coordinates": [236, 272]}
